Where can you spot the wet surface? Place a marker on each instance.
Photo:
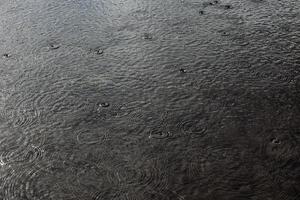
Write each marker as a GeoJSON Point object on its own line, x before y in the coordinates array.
{"type": "Point", "coordinates": [191, 99]}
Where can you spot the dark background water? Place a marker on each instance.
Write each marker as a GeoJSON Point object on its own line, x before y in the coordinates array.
{"type": "Point", "coordinates": [156, 99]}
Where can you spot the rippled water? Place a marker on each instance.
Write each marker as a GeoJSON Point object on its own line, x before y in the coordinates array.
{"type": "Point", "coordinates": [160, 99]}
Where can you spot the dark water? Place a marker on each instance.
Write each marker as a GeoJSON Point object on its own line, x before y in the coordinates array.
{"type": "Point", "coordinates": [156, 99]}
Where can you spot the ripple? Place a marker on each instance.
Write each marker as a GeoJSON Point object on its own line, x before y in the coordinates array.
{"type": "Point", "coordinates": [131, 109]}
{"type": "Point", "coordinates": [93, 137]}
{"type": "Point", "coordinates": [279, 146]}
{"type": "Point", "coordinates": [19, 146]}
{"type": "Point", "coordinates": [159, 134]}
{"type": "Point", "coordinates": [13, 147]}
{"type": "Point", "coordinates": [59, 137]}
{"type": "Point", "coordinates": [42, 48]}
{"type": "Point", "coordinates": [133, 117]}
{"type": "Point", "coordinates": [193, 128]}
{"type": "Point", "coordinates": [161, 128]}
{"type": "Point", "coordinates": [25, 118]}
{"type": "Point", "coordinates": [149, 176]}
{"type": "Point", "coordinates": [107, 112]}
{"type": "Point", "coordinates": [22, 154]}
{"type": "Point", "coordinates": [280, 150]}
{"type": "Point", "coordinates": [5, 115]}
{"type": "Point", "coordinates": [198, 166]}
{"type": "Point", "coordinates": [108, 194]}
{"type": "Point", "coordinates": [33, 154]}
{"type": "Point", "coordinates": [23, 184]}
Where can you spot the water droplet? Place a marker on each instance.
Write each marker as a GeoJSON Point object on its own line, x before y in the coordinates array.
{"type": "Point", "coordinates": [159, 134]}
{"type": "Point", "coordinates": [99, 51]}
{"type": "Point", "coordinates": [227, 6]}
{"type": "Point", "coordinates": [6, 55]}
{"type": "Point", "coordinates": [244, 44]}
{"type": "Point", "coordinates": [183, 70]}
{"type": "Point", "coordinates": [275, 141]}
{"type": "Point", "coordinates": [104, 105]}
{"type": "Point", "coordinates": [224, 33]}
{"type": "Point", "coordinates": [54, 46]}
{"type": "Point", "coordinates": [147, 36]}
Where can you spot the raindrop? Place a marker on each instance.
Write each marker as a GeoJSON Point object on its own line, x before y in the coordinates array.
{"type": "Point", "coordinates": [6, 55]}
{"type": "Point", "coordinates": [224, 33]}
{"type": "Point", "coordinates": [158, 134]}
{"type": "Point", "coordinates": [99, 51]}
{"type": "Point", "coordinates": [195, 128]}
{"type": "Point", "coordinates": [53, 46]}
{"type": "Point", "coordinates": [104, 105]}
{"type": "Point", "coordinates": [182, 70]}
{"type": "Point", "coordinates": [227, 6]}
{"type": "Point", "coordinates": [147, 36]}
{"type": "Point", "coordinates": [244, 43]}
{"type": "Point", "coordinates": [275, 141]}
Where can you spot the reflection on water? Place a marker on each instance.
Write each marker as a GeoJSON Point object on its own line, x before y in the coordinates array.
{"type": "Point", "coordinates": [134, 99]}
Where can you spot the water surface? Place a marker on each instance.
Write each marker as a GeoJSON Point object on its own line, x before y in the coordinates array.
{"type": "Point", "coordinates": [160, 99]}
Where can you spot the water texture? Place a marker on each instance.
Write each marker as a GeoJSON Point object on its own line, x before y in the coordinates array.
{"type": "Point", "coordinates": [160, 100]}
